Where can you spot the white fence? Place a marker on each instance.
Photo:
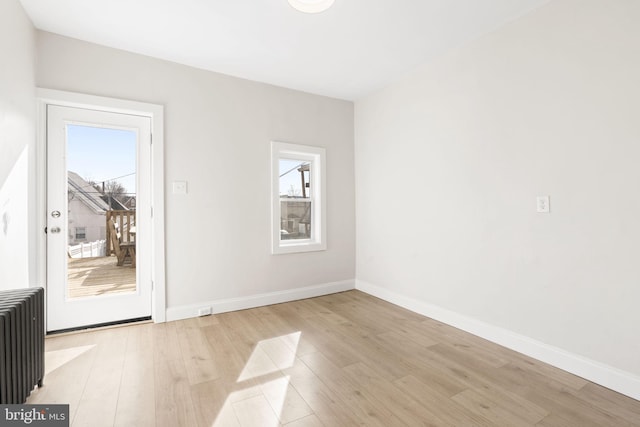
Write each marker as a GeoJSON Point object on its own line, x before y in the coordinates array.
{"type": "Point", "coordinates": [88, 250]}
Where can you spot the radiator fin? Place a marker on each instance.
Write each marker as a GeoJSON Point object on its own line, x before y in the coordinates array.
{"type": "Point", "coordinates": [22, 341]}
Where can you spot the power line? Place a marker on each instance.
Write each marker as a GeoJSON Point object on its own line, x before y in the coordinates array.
{"type": "Point", "coordinates": [91, 185]}
{"type": "Point", "coordinates": [107, 194]}
{"type": "Point", "coordinates": [293, 168]}
{"type": "Point", "coordinates": [118, 177]}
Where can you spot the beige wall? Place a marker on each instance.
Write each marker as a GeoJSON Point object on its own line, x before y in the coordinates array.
{"type": "Point", "coordinates": [17, 147]}
{"type": "Point", "coordinates": [449, 162]}
{"type": "Point", "coordinates": [217, 138]}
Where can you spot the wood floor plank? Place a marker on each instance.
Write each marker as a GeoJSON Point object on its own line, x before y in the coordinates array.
{"type": "Point", "coordinates": [557, 398]}
{"type": "Point", "coordinates": [492, 409]}
{"type": "Point", "coordinates": [165, 341]}
{"type": "Point", "coordinates": [228, 361]}
{"type": "Point", "coordinates": [524, 408]}
{"type": "Point", "coordinates": [65, 381]}
{"type": "Point", "coordinates": [284, 399]}
{"type": "Point", "coordinates": [448, 410]}
{"type": "Point", "coordinates": [255, 411]}
{"type": "Point", "coordinates": [277, 325]}
{"type": "Point", "coordinates": [406, 408]}
{"type": "Point", "coordinates": [329, 410]}
{"type": "Point", "coordinates": [323, 312]}
{"type": "Point", "coordinates": [279, 350]}
{"type": "Point", "coordinates": [308, 421]}
{"type": "Point", "coordinates": [374, 352]}
{"type": "Point", "coordinates": [423, 368]}
{"type": "Point", "coordinates": [173, 404]}
{"type": "Point", "coordinates": [481, 353]}
{"type": "Point", "coordinates": [136, 397]}
{"type": "Point", "coordinates": [461, 367]}
{"type": "Point", "coordinates": [488, 352]}
{"type": "Point", "coordinates": [413, 331]}
{"type": "Point", "coordinates": [299, 308]}
{"type": "Point", "coordinates": [342, 360]}
{"type": "Point", "coordinates": [362, 403]}
{"type": "Point", "coordinates": [369, 316]}
{"type": "Point", "coordinates": [321, 335]}
{"type": "Point", "coordinates": [243, 327]}
{"type": "Point", "coordinates": [611, 402]}
{"type": "Point", "coordinates": [213, 401]}
{"type": "Point", "coordinates": [195, 352]}
{"type": "Point", "coordinates": [98, 404]}
{"type": "Point", "coordinates": [377, 305]}
{"type": "Point", "coordinates": [271, 323]}
{"type": "Point", "coordinates": [572, 381]}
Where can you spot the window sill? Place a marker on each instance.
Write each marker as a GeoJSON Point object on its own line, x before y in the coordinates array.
{"type": "Point", "coordinates": [291, 248]}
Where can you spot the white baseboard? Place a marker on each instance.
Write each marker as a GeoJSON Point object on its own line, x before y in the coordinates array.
{"type": "Point", "coordinates": [599, 373]}
{"type": "Point", "coordinates": [259, 300]}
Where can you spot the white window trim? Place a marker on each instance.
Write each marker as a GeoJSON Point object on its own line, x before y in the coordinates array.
{"type": "Point", "coordinates": [316, 155]}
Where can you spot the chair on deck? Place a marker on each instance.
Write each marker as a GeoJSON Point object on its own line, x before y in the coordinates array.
{"type": "Point", "coordinates": [122, 249]}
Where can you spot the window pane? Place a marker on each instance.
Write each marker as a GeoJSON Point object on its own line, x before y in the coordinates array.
{"type": "Point", "coordinates": [101, 181]}
{"type": "Point", "coordinates": [81, 233]}
{"type": "Point", "coordinates": [295, 179]}
{"type": "Point", "coordinates": [295, 203]}
{"type": "Point", "coordinates": [295, 219]}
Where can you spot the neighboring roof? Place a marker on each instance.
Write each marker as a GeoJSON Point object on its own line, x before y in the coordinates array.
{"type": "Point", "coordinates": [114, 203]}
{"type": "Point", "coordinates": [91, 197]}
{"type": "Point", "coordinates": [129, 202]}
{"type": "Point", "coordinates": [86, 193]}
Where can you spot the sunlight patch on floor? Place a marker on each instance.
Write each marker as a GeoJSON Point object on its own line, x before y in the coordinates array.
{"type": "Point", "coordinates": [57, 358]}
{"type": "Point", "coordinates": [278, 401]}
{"type": "Point", "coordinates": [271, 355]}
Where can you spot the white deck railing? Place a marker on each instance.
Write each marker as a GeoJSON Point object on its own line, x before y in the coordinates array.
{"type": "Point", "coordinates": [89, 249]}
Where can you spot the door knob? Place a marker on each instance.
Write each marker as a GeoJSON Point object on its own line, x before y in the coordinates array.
{"type": "Point", "coordinates": [55, 214]}
{"type": "Point", "coordinates": [55, 229]}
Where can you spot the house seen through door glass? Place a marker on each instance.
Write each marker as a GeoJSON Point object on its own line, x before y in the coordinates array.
{"type": "Point", "coordinates": [101, 193]}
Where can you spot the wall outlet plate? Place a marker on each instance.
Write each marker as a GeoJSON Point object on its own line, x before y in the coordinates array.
{"type": "Point", "coordinates": [204, 311]}
{"type": "Point", "coordinates": [542, 204]}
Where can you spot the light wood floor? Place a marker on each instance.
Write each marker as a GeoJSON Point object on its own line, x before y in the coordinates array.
{"type": "Point", "coordinates": [341, 360]}
{"type": "Point", "coordinates": [99, 276]}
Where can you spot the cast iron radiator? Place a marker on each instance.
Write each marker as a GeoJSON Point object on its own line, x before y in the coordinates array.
{"type": "Point", "coordinates": [22, 341]}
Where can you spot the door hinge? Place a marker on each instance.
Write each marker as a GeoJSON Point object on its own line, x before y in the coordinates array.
{"type": "Point", "coordinates": [152, 285]}
{"type": "Point", "coordinates": [151, 139]}
{"type": "Point", "coordinates": [151, 211]}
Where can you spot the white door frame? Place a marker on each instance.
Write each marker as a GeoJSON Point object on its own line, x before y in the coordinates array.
{"type": "Point", "coordinates": [156, 113]}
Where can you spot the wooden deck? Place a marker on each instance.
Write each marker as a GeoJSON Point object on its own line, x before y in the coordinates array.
{"type": "Point", "coordinates": [99, 276]}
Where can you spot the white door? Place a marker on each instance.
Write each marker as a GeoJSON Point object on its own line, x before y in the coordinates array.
{"type": "Point", "coordinates": [98, 167]}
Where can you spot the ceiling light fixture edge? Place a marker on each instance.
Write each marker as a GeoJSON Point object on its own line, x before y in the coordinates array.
{"type": "Point", "coordinates": [311, 6]}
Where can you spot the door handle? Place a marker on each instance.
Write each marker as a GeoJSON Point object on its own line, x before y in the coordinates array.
{"type": "Point", "coordinates": [55, 214]}
{"type": "Point", "coordinates": [55, 229]}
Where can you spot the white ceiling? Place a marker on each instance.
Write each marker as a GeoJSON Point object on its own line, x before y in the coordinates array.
{"type": "Point", "coordinates": [350, 50]}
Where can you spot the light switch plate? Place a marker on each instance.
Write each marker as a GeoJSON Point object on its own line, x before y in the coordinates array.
{"type": "Point", "coordinates": [179, 187]}
{"type": "Point", "coordinates": [542, 204]}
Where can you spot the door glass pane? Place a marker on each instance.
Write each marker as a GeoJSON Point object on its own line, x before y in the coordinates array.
{"type": "Point", "coordinates": [295, 199]}
{"type": "Point", "coordinates": [101, 194]}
